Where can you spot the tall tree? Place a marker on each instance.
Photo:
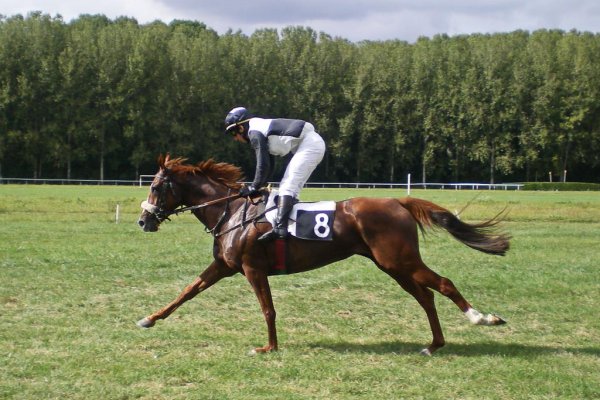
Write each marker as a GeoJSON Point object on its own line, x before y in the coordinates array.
{"type": "Point", "coordinates": [115, 42]}
{"type": "Point", "coordinates": [493, 107]}
{"type": "Point", "coordinates": [577, 99]}
{"type": "Point", "coordinates": [546, 103]}
{"type": "Point", "coordinates": [147, 107]}
{"type": "Point", "coordinates": [36, 80]}
{"type": "Point", "coordinates": [428, 60]}
{"type": "Point", "coordinates": [77, 96]}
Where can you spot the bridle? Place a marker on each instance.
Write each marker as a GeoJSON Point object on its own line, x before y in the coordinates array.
{"type": "Point", "coordinates": [160, 212]}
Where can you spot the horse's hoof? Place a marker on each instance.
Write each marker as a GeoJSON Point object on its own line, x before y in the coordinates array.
{"type": "Point", "coordinates": [497, 320]}
{"type": "Point", "coordinates": [145, 323]}
{"type": "Point", "coordinates": [425, 352]}
{"type": "Point", "coordinates": [261, 350]}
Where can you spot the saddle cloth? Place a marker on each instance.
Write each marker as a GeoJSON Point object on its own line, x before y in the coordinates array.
{"type": "Point", "coordinates": [313, 221]}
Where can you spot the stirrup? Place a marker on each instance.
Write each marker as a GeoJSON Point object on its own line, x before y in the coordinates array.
{"type": "Point", "coordinates": [267, 237]}
{"type": "Point", "coordinates": [276, 233]}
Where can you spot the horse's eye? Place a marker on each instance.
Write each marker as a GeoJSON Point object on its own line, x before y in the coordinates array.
{"type": "Point", "coordinates": [154, 189]}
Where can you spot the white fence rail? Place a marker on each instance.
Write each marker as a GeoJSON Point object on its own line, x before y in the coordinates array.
{"type": "Point", "coordinates": [52, 181]}
{"type": "Point", "coordinates": [146, 179]}
{"type": "Point", "coordinates": [455, 186]}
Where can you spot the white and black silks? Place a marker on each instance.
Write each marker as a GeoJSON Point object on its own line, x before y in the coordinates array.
{"type": "Point", "coordinates": [279, 137]}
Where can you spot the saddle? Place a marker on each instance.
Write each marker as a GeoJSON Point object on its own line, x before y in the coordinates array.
{"type": "Point", "coordinates": [308, 220]}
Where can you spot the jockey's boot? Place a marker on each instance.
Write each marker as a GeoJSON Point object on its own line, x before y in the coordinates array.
{"type": "Point", "coordinates": [279, 231]}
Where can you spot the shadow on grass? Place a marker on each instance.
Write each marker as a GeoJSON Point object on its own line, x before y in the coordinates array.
{"type": "Point", "coordinates": [464, 350]}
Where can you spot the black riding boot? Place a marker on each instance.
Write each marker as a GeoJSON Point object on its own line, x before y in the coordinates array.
{"type": "Point", "coordinates": [279, 231]}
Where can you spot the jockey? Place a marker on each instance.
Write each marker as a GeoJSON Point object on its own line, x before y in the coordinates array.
{"type": "Point", "coordinates": [277, 137]}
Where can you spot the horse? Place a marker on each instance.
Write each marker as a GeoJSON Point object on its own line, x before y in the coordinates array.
{"type": "Point", "coordinates": [384, 230]}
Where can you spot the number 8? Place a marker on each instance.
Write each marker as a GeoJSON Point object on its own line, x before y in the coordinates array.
{"type": "Point", "coordinates": [322, 221]}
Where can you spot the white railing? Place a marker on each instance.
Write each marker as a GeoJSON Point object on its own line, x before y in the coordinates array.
{"type": "Point", "coordinates": [59, 181]}
{"type": "Point", "coordinates": [149, 178]}
{"type": "Point", "coordinates": [455, 186]}
{"type": "Point", "coordinates": [146, 179]}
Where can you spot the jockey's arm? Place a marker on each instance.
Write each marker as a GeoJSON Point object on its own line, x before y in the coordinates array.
{"type": "Point", "coordinates": [264, 160]}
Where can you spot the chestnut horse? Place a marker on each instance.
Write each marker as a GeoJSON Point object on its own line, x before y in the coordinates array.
{"type": "Point", "coordinates": [385, 230]}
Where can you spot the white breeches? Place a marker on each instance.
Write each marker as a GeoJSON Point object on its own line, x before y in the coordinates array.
{"type": "Point", "coordinates": [306, 158]}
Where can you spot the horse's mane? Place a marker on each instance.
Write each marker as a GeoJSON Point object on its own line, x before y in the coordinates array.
{"type": "Point", "coordinates": [224, 173]}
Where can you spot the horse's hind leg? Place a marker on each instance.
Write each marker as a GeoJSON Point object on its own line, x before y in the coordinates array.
{"type": "Point", "coordinates": [402, 266]}
{"type": "Point", "coordinates": [424, 297]}
{"type": "Point", "coordinates": [418, 282]}
{"type": "Point", "coordinates": [426, 277]}
{"type": "Point", "coordinates": [209, 277]}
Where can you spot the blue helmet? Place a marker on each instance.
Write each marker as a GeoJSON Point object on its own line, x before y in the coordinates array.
{"type": "Point", "coordinates": [236, 117]}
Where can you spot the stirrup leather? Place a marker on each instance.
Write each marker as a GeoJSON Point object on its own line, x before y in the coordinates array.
{"type": "Point", "coordinates": [279, 231]}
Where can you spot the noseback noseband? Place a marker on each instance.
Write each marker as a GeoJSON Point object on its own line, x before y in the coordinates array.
{"type": "Point", "coordinates": [159, 210]}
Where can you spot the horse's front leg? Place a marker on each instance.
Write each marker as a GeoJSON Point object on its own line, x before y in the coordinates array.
{"type": "Point", "coordinates": [211, 275]}
{"type": "Point", "coordinates": [260, 284]}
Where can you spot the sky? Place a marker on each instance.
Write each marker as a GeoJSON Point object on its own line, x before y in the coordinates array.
{"type": "Point", "coordinates": [353, 20]}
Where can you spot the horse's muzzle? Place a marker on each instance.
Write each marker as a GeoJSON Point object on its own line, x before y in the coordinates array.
{"type": "Point", "coordinates": [148, 222]}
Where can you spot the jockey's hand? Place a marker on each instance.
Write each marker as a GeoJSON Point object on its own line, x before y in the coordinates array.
{"type": "Point", "coordinates": [248, 191]}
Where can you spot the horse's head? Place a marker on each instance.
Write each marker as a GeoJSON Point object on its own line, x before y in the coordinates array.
{"type": "Point", "coordinates": [163, 199]}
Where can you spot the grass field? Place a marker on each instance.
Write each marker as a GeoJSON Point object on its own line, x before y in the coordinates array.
{"type": "Point", "coordinates": [74, 282]}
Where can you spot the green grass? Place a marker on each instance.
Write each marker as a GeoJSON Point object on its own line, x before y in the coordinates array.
{"type": "Point", "coordinates": [74, 282]}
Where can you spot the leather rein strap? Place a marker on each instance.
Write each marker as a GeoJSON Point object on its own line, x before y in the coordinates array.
{"type": "Point", "coordinates": [180, 210]}
{"type": "Point", "coordinates": [164, 215]}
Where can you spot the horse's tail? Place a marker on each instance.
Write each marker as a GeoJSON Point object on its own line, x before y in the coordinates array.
{"type": "Point", "coordinates": [483, 236]}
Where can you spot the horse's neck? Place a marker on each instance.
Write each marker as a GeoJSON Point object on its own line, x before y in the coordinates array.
{"type": "Point", "coordinates": [206, 191]}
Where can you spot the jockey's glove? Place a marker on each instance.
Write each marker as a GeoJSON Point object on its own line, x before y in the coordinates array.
{"type": "Point", "coordinates": [248, 191]}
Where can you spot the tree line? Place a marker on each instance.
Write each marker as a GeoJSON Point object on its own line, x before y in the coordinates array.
{"type": "Point", "coordinates": [97, 98]}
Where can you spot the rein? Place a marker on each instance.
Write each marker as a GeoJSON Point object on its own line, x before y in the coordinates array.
{"type": "Point", "coordinates": [182, 209]}
{"type": "Point", "coordinates": [225, 215]}
{"type": "Point", "coordinates": [158, 211]}
{"type": "Point", "coordinates": [244, 221]}
{"type": "Point", "coordinates": [162, 215]}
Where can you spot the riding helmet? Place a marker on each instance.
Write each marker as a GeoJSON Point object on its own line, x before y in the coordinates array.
{"type": "Point", "coordinates": [235, 117]}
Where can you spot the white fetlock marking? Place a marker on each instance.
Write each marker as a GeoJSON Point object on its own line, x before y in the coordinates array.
{"type": "Point", "coordinates": [425, 352]}
{"type": "Point", "coordinates": [478, 318]}
{"type": "Point", "coordinates": [475, 317]}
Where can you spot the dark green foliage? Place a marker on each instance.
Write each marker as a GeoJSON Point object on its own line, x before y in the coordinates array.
{"type": "Point", "coordinates": [100, 99]}
{"type": "Point", "coordinates": [562, 186]}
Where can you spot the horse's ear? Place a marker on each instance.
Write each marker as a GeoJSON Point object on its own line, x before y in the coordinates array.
{"type": "Point", "coordinates": [162, 160]}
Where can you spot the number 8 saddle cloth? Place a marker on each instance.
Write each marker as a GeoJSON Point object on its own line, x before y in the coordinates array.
{"type": "Point", "coordinates": [312, 221]}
